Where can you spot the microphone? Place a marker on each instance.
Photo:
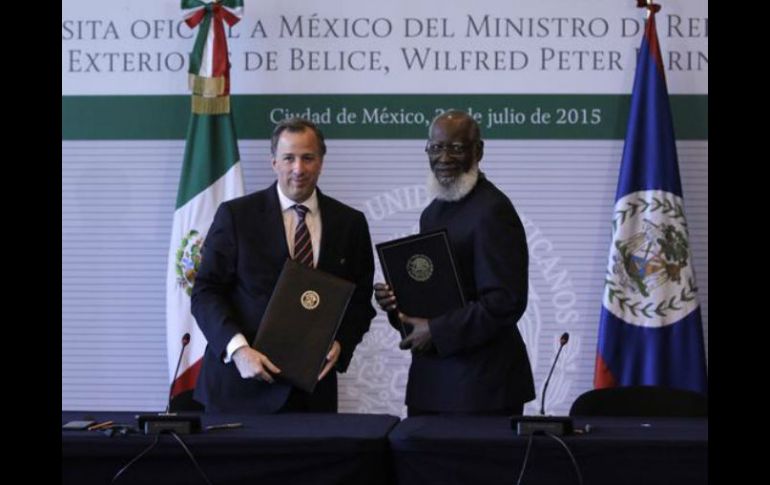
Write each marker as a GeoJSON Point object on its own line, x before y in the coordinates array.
{"type": "Point", "coordinates": [555, 425]}
{"type": "Point", "coordinates": [185, 341]}
{"type": "Point", "coordinates": [182, 423]}
{"type": "Point", "coordinates": [562, 342]}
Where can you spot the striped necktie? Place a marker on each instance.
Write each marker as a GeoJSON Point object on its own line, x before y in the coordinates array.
{"type": "Point", "coordinates": [303, 246]}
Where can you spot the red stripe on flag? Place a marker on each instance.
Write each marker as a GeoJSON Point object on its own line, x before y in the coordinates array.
{"type": "Point", "coordinates": [651, 33]}
{"type": "Point", "coordinates": [602, 376]}
{"type": "Point", "coordinates": [186, 381]}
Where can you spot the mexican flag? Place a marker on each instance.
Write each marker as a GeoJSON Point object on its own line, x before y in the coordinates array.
{"type": "Point", "coordinates": [211, 174]}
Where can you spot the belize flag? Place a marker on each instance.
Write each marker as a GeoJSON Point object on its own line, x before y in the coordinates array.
{"type": "Point", "coordinates": [650, 326]}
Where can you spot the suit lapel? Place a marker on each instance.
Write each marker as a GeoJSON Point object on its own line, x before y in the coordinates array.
{"type": "Point", "coordinates": [328, 232]}
{"type": "Point", "coordinates": [275, 232]}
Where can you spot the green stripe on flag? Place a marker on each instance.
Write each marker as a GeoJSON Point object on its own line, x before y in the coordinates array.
{"type": "Point", "coordinates": [210, 151]}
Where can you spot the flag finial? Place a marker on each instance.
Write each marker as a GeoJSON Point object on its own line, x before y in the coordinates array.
{"type": "Point", "coordinates": [651, 7]}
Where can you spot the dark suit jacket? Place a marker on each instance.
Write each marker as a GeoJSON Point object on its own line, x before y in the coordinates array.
{"type": "Point", "coordinates": [481, 363]}
{"type": "Point", "coordinates": [243, 254]}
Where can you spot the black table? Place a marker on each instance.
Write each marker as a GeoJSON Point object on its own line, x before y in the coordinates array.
{"type": "Point", "coordinates": [484, 450]}
{"type": "Point", "coordinates": [281, 449]}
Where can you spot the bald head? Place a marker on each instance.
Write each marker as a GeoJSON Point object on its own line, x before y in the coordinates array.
{"type": "Point", "coordinates": [456, 121]}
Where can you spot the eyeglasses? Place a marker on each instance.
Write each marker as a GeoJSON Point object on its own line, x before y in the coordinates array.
{"type": "Point", "coordinates": [453, 150]}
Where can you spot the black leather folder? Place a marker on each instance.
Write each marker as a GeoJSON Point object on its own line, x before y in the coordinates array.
{"type": "Point", "coordinates": [301, 321]}
{"type": "Point", "coordinates": [421, 271]}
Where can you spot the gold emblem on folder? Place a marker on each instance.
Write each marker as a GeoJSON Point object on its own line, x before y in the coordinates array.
{"type": "Point", "coordinates": [310, 300]}
{"type": "Point", "coordinates": [419, 267]}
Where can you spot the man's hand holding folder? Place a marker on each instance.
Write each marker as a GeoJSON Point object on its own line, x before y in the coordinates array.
{"type": "Point", "coordinates": [419, 340]}
{"type": "Point", "coordinates": [254, 364]}
{"type": "Point", "coordinates": [331, 359]}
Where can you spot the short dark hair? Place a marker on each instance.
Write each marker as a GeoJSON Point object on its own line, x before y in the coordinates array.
{"type": "Point", "coordinates": [297, 125]}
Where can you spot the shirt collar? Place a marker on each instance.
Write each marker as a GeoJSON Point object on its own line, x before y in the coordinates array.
{"type": "Point", "coordinates": [286, 203]}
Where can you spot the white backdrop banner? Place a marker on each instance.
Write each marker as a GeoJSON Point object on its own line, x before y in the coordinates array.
{"type": "Point", "coordinates": [399, 46]}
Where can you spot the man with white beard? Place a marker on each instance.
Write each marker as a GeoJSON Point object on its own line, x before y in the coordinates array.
{"type": "Point", "coordinates": [470, 360]}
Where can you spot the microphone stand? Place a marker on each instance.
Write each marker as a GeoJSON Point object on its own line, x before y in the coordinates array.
{"type": "Point", "coordinates": [554, 425]}
{"type": "Point", "coordinates": [182, 423]}
{"type": "Point", "coordinates": [562, 342]}
{"type": "Point", "coordinates": [169, 423]}
{"type": "Point", "coordinates": [550, 426]}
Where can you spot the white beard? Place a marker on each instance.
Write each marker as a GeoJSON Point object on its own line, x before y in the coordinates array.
{"type": "Point", "coordinates": [455, 190]}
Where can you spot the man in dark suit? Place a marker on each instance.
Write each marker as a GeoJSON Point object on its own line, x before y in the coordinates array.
{"type": "Point", "coordinates": [250, 239]}
{"type": "Point", "coordinates": [471, 360]}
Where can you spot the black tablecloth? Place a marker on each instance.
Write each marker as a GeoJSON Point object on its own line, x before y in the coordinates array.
{"type": "Point", "coordinates": [484, 450]}
{"type": "Point", "coordinates": [281, 449]}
